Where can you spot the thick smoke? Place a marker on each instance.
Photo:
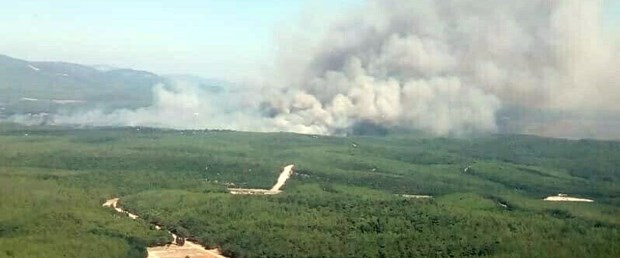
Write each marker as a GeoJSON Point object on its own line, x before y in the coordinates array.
{"type": "Point", "coordinates": [448, 67]}
{"type": "Point", "coordinates": [182, 105]}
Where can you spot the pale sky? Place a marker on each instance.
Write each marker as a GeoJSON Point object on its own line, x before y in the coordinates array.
{"type": "Point", "coordinates": [218, 39]}
{"type": "Point", "coordinates": [224, 38]}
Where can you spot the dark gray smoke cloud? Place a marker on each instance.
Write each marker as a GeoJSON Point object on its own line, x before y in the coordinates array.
{"type": "Point", "coordinates": [449, 67]}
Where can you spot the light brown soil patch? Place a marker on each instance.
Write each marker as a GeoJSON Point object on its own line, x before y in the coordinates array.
{"type": "Point", "coordinates": [191, 249]}
{"type": "Point", "coordinates": [566, 199]}
{"type": "Point", "coordinates": [286, 173]}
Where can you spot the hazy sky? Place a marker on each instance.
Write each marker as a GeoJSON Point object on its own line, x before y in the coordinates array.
{"type": "Point", "coordinates": [224, 38]}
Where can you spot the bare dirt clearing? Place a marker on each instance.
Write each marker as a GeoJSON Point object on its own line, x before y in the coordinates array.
{"type": "Point", "coordinates": [286, 173]}
{"type": "Point", "coordinates": [191, 249]}
{"type": "Point", "coordinates": [566, 198]}
{"type": "Point", "coordinates": [416, 196]}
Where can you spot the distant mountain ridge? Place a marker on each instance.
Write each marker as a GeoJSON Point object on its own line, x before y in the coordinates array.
{"type": "Point", "coordinates": [48, 87]}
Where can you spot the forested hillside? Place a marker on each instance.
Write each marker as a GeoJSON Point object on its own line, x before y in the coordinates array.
{"type": "Point", "coordinates": [344, 199]}
{"type": "Point", "coordinates": [35, 87]}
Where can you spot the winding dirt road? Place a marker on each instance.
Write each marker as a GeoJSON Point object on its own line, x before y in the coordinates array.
{"type": "Point", "coordinates": [191, 249]}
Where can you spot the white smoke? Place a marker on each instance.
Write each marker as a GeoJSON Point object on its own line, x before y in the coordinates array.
{"type": "Point", "coordinates": [449, 66]}
{"type": "Point", "coordinates": [182, 105]}
{"type": "Point", "coordinates": [443, 66]}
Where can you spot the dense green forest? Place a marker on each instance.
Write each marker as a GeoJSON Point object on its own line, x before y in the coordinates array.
{"type": "Point", "coordinates": [344, 200]}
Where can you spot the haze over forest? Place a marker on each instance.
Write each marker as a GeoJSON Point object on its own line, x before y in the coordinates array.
{"type": "Point", "coordinates": [448, 68]}
{"type": "Point", "coordinates": [305, 128]}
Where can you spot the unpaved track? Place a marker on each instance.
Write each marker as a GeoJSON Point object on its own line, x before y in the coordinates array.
{"type": "Point", "coordinates": [566, 199]}
{"type": "Point", "coordinates": [191, 249]}
{"type": "Point", "coordinates": [286, 173]}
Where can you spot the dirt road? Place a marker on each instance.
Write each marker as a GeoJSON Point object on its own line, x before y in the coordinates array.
{"type": "Point", "coordinates": [191, 249]}
{"type": "Point", "coordinates": [286, 173]}
{"type": "Point", "coordinates": [566, 199]}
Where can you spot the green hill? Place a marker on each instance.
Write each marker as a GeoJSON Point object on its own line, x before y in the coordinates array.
{"type": "Point", "coordinates": [344, 200]}
{"type": "Point", "coordinates": [51, 86]}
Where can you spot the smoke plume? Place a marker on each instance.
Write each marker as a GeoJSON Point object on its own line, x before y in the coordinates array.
{"type": "Point", "coordinates": [448, 67]}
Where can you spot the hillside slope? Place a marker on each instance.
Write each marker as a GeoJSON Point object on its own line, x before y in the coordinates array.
{"type": "Point", "coordinates": [49, 86]}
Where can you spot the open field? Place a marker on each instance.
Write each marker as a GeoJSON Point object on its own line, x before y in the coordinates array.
{"type": "Point", "coordinates": [348, 197]}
